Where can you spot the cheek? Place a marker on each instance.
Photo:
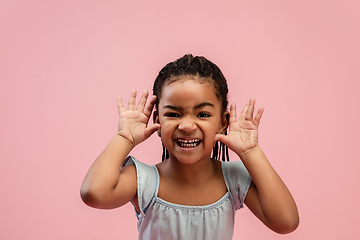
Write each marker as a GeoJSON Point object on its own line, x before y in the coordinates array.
{"type": "Point", "coordinates": [167, 130]}
{"type": "Point", "coordinates": [210, 131]}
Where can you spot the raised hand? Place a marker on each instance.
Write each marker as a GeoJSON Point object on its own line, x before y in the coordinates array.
{"type": "Point", "coordinates": [243, 134]}
{"type": "Point", "coordinates": [133, 122]}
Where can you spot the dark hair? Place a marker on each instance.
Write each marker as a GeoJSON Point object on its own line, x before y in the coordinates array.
{"type": "Point", "coordinates": [204, 70]}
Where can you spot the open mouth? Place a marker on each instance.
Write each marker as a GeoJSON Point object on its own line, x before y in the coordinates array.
{"type": "Point", "coordinates": [188, 143]}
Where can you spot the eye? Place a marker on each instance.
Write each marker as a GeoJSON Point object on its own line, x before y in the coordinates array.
{"type": "Point", "coordinates": [172, 115]}
{"type": "Point", "coordinates": [204, 115]}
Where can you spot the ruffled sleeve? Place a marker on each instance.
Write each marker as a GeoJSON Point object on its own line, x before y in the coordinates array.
{"type": "Point", "coordinates": [147, 183]}
{"type": "Point", "coordinates": [238, 181]}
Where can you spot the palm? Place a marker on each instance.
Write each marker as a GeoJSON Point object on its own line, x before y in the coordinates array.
{"type": "Point", "coordinates": [243, 133]}
{"type": "Point", "coordinates": [133, 123]}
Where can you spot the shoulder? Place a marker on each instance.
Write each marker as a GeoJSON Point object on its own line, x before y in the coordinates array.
{"type": "Point", "coordinates": [234, 168]}
{"type": "Point", "coordinates": [147, 181]}
{"type": "Point", "coordinates": [238, 181]}
{"type": "Point", "coordinates": [235, 171]}
{"type": "Point", "coordinates": [137, 166]}
{"type": "Point", "coordinates": [143, 172]}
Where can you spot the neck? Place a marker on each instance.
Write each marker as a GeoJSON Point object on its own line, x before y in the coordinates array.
{"type": "Point", "coordinates": [191, 173]}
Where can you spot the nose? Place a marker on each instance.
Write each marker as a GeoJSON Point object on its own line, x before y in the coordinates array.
{"type": "Point", "coordinates": [187, 125]}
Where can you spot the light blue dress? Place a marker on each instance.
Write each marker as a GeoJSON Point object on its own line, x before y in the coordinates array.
{"type": "Point", "coordinates": [162, 220]}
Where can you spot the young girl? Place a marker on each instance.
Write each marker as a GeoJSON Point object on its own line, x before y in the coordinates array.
{"type": "Point", "coordinates": [190, 194]}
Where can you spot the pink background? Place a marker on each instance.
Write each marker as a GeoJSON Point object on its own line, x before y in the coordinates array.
{"type": "Point", "coordinates": [63, 63]}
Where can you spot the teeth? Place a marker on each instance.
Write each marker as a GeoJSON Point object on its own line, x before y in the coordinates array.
{"type": "Point", "coordinates": [188, 143]}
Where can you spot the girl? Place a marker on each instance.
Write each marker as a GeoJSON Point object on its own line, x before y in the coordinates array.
{"type": "Point", "coordinates": [190, 194]}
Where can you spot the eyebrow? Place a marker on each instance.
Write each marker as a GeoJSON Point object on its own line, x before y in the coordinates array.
{"type": "Point", "coordinates": [201, 105]}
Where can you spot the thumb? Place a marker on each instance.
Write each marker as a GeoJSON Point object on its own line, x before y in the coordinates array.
{"type": "Point", "coordinates": [153, 128]}
{"type": "Point", "coordinates": [222, 138]}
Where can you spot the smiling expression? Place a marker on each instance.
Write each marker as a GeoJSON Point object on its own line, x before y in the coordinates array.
{"type": "Point", "coordinates": [190, 116]}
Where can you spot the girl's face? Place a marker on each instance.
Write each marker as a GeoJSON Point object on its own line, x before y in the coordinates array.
{"type": "Point", "coordinates": [190, 116]}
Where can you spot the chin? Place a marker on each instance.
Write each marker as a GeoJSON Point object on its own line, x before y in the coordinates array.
{"type": "Point", "coordinates": [188, 160]}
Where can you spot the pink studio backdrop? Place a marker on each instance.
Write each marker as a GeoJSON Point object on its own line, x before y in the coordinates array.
{"type": "Point", "coordinates": [63, 63]}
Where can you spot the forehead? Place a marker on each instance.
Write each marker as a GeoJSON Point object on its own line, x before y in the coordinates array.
{"type": "Point", "coordinates": [188, 91]}
{"type": "Point", "coordinates": [192, 79]}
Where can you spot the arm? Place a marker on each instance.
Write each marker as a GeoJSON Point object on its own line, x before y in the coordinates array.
{"type": "Point", "coordinates": [268, 197]}
{"type": "Point", "coordinates": [105, 185]}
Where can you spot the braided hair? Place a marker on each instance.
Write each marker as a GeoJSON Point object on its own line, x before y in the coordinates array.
{"type": "Point", "coordinates": [205, 70]}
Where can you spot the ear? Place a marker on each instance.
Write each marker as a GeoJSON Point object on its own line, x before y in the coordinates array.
{"type": "Point", "coordinates": [156, 120]}
{"type": "Point", "coordinates": [224, 122]}
{"type": "Point", "coordinates": [156, 116]}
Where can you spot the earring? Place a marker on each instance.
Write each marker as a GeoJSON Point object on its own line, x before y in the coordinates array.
{"type": "Point", "coordinates": [159, 132]}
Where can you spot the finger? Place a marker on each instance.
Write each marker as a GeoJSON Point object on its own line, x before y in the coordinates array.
{"type": "Point", "coordinates": [150, 106]}
{"type": "Point", "coordinates": [120, 105]}
{"type": "Point", "coordinates": [142, 101]}
{"type": "Point", "coordinates": [243, 112]}
{"type": "Point", "coordinates": [132, 99]}
{"type": "Point", "coordinates": [258, 116]}
{"type": "Point", "coordinates": [232, 117]}
{"type": "Point", "coordinates": [250, 110]}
